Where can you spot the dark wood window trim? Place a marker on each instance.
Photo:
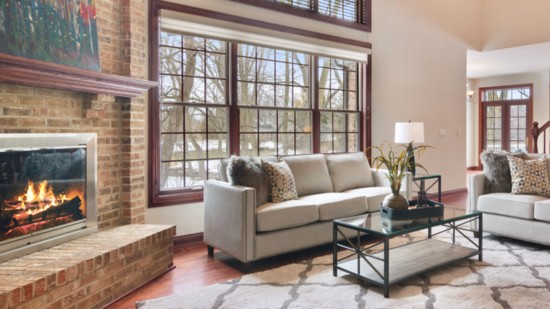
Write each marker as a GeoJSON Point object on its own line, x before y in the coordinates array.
{"type": "Point", "coordinates": [159, 198]}
{"type": "Point", "coordinates": [504, 104]}
{"type": "Point", "coordinates": [364, 11]}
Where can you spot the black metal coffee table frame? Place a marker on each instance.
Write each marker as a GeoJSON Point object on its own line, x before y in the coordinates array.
{"type": "Point", "coordinates": [406, 260]}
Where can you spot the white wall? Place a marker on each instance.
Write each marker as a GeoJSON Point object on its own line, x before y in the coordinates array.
{"type": "Point", "coordinates": [472, 124]}
{"type": "Point", "coordinates": [419, 74]}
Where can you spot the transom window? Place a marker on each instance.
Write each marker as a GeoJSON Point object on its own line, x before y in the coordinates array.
{"type": "Point", "coordinates": [348, 11]}
{"type": "Point", "coordinates": [278, 102]}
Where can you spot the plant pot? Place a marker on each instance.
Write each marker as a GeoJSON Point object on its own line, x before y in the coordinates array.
{"type": "Point", "coordinates": [395, 201]}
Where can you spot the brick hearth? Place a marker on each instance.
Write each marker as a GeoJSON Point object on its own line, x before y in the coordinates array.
{"type": "Point", "coordinates": [89, 272]}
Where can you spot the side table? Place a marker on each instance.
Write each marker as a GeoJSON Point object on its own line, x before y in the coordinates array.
{"type": "Point", "coordinates": [420, 182]}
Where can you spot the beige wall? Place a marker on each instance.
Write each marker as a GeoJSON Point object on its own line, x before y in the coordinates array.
{"type": "Point", "coordinates": [509, 23]}
{"type": "Point", "coordinates": [419, 74]}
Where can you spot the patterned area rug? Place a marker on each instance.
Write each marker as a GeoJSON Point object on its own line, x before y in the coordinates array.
{"type": "Point", "coordinates": [513, 274]}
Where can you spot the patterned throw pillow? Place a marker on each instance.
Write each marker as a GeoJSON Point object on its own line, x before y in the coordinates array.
{"type": "Point", "coordinates": [282, 181]}
{"type": "Point", "coordinates": [529, 176]}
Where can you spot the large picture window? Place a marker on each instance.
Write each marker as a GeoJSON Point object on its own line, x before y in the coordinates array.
{"type": "Point", "coordinates": [273, 103]}
{"type": "Point", "coordinates": [218, 97]}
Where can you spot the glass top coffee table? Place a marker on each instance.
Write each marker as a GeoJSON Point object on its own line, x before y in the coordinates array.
{"type": "Point", "coordinates": [386, 265]}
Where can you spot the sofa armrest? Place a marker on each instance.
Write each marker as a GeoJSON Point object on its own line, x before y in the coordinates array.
{"type": "Point", "coordinates": [475, 189]}
{"type": "Point", "coordinates": [230, 218]}
{"type": "Point", "coordinates": [380, 180]}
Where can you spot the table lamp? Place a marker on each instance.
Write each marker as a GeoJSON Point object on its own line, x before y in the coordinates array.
{"type": "Point", "coordinates": [409, 133]}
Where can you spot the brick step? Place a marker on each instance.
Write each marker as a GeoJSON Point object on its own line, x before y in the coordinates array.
{"type": "Point", "coordinates": [88, 272]}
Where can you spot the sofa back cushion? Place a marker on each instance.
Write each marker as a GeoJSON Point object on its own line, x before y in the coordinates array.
{"type": "Point", "coordinates": [349, 171]}
{"type": "Point", "coordinates": [310, 174]}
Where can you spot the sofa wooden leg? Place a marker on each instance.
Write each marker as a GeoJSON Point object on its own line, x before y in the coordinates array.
{"type": "Point", "coordinates": [210, 251]}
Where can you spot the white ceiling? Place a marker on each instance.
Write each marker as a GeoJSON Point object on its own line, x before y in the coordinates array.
{"type": "Point", "coordinates": [522, 59]}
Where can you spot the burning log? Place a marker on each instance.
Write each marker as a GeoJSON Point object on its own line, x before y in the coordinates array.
{"type": "Point", "coordinates": [23, 217]}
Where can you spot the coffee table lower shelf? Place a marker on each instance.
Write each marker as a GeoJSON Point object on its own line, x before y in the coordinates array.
{"type": "Point", "coordinates": [404, 262]}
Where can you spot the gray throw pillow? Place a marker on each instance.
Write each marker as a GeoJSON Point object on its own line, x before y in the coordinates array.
{"type": "Point", "coordinates": [497, 170]}
{"type": "Point", "coordinates": [249, 172]}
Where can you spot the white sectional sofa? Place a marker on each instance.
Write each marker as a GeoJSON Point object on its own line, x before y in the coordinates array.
{"type": "Point", "coordinates": [520, 216]}
{"type": "Point", "coordinates": [328, 186]}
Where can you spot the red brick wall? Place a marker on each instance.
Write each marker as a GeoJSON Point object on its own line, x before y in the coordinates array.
{"type": "Point", "coordinates": [118, 122]}
{"type": "Point", "coordinates": [89, 272]}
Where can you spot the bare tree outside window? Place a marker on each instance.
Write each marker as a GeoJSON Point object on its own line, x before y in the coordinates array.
{"type": "Point", "coordinates": [338, 104]}
{"type": "Point", "coordinates": [273, 93]}
{"type": "Point", "coordinates": [194, 133]}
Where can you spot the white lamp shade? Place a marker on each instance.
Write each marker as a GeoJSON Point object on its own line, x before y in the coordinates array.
{"type": "Point", "coordinates": [409, 132]}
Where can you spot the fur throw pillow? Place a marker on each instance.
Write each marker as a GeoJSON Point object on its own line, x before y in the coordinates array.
{"type": "Point", "coordinates": [497, 170]}
{"type": "Point", "coordinates": [249, 172]}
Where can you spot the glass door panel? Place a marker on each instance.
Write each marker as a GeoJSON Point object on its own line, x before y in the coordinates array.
{"type": "Point", "coordinates": [493, 130]}
{"type": "Point", "coordinates": [518, 128]}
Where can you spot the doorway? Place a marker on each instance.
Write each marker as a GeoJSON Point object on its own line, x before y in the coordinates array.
{"type": "Point", "coordinates": [506, 112]}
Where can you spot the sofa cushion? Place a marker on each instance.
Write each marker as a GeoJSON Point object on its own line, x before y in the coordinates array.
{"type": "Point", "coordinates": [497, 170]}
{"type": "Point", "coordinates": [281, 181]}
{"type": "Point", "coordinates": [310, 173]}
{"type": "Point", "coordinates": [277, 216]}
{"type": "Point", "coordinates": [249, 172]}
{"type": "Point", "coordinates": [335, 205]}
{"type": "Point", "coordinates": [373, 196]}
{"type": "Point", "coordinates": [349, 171]}
{"type": "Point", "coordinates": [529, 176]}
{"type": "Point", "coordinates": [508, 204]}
{"type": "Point", "coordinates": [542, 210]}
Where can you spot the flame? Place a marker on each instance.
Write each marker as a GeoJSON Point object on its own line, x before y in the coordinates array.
{"type": "Point", "coordinates": [40, 197]}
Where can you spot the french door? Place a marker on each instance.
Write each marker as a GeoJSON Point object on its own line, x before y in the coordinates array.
{"type": "Point", "coordinates": [506, 116]}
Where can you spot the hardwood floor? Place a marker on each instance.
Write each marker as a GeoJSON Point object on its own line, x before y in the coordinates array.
{"type": "Point", "coordinates": [195, 269]}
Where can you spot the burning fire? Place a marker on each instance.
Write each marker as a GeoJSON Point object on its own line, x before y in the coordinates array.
{"type": "Point", "coordinates": [40, 197]}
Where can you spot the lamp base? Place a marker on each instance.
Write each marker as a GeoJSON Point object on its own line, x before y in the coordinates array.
{"type": "Point", "coordinates": [410, 154]}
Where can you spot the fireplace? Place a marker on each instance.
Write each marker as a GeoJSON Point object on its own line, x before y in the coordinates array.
{"type": "Point", "coordinates": [47, 190]}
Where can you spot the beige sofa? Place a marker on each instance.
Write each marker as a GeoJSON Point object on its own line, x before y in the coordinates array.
{"type": "Point", "coordinates": [525, 217]}
{"type": "Point", "coordinates": [328, 186]}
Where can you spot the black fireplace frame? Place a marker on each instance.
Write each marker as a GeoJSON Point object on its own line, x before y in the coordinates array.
{"type": "Point", "coordinates": [40, 240]}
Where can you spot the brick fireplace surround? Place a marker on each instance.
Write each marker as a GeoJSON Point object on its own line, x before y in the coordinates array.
{"type": "Point", "coordinates": [108, 268]}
